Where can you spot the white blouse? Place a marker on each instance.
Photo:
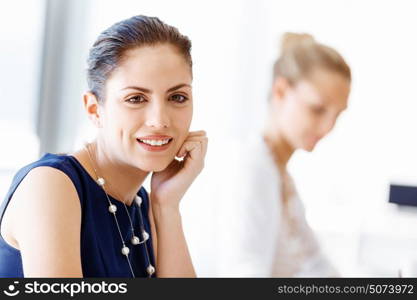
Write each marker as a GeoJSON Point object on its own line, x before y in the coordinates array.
{"type": "Point", "coordinates": [257, 233]}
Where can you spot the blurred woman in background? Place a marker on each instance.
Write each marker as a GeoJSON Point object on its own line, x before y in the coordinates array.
{"type": "Point", "coordinates": [262, 229]}
{"type": "Point", "coordinates": [87, 214]}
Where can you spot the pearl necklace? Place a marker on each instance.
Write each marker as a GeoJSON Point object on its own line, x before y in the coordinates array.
{"type": "Point", "coordinates": [134, 240]}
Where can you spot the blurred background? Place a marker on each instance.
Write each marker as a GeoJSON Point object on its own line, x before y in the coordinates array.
{"type": "Point", "coordinates": [344, 183]}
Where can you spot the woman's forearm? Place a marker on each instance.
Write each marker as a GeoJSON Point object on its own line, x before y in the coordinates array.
{"type": "Point", "coordinates": [174, 259]}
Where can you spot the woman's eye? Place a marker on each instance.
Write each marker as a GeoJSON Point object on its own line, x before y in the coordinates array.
{"type": "Point", "coordinates": [136, 99]}
{"type": "Point", "coordinates": [178, 98]}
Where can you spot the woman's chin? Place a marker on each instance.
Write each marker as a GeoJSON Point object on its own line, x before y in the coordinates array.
{"type": "Point", "coordinates": [309, 147]}
{"type": "Point", "coordinates": [153, 166]}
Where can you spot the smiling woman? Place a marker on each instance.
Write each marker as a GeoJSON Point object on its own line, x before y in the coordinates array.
{"type": "Point", "coordinates": [86, 214]}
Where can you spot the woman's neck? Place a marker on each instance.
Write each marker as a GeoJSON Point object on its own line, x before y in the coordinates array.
{"type": "Point", "coordinates": [122, 181]}
{"type": "Point", "coordinates": [280, 149]}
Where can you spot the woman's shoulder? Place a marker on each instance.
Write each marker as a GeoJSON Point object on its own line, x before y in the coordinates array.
{"type": "Point", "coordinates": [245, 172]}
{"type": "Point", "coordinates": [44, 182]}
{"type": "Point", "coordinates": [47, 206]}
{"type": "Point", "coordinates": [52, 173]}
{"type": "Point", "coordinates": [55, 173]}
{"type": "Point", "coordinates": [250, 158]}
{"type": "Point", "coordinates": [50, 166]}
{"type": "Point", "coordinates": [60, 162]}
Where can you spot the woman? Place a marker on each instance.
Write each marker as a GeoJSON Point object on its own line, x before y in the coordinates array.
{"type": "Point", "coordinates": [264, 229]}
{"type": "Point", "coordinates": [87, 214]}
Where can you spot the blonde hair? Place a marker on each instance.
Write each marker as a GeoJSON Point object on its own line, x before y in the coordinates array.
{"type": "Point", "coordinates": [301, 55]}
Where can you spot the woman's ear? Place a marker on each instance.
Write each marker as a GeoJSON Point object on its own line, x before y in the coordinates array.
{"type": "Point", "coordinates": [280, 87]}
{"type": "Point", "coordinates": [92, 107]}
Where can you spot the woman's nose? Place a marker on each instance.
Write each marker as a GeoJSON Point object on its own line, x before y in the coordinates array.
{"type": "Point", "coordinates": [157, 115]}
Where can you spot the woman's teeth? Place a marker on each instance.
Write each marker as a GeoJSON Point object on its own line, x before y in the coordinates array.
{"type": "Point", "coordinates": [155, 142]}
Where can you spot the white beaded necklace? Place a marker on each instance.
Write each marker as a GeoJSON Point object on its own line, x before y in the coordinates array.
{"type": "Point", "coordinates": [134, 240]}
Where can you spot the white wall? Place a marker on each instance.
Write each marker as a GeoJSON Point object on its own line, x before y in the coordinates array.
{"type": "Point", "coordinates": [20, 30]}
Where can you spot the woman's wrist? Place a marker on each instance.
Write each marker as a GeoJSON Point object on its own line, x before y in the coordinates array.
{"type": "Point", "coordinates": [165, 211]}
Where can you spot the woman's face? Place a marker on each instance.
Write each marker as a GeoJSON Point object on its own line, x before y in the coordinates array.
{"type": "Point", "coordinates": [148, 107]}
{"type": "Point", "coordinates": [309, 109]}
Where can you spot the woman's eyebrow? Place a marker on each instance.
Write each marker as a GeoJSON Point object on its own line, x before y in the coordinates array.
{"type": "Point", "coordinates": [138, 88]}
{"type": "Point", "coordinates": [178, 86]}
{"type": "Point", "coordinates": [148, 91]}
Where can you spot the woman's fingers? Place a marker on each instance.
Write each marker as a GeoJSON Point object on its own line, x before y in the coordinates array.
{"type": "Point", "coordinates": [190, 147]}
{"type": "Point", "coordinates": [203, 140]}
{"type": "Point", "coordinates": [196, 139]}
{"type": "Point", "coordinates": [205, 144]}
{"type": "Point", "coordinates": [196, 133]}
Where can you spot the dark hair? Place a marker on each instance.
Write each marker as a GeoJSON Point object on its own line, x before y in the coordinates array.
{"type": "Point", "coordinates": [137, 31]}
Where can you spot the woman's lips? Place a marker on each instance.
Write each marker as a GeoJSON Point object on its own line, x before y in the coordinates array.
{"type": "Point", "coordinates": [155, 143]}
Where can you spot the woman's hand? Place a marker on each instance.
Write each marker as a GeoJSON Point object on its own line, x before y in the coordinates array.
{"type": "Point", "coordinates": [170, 185]}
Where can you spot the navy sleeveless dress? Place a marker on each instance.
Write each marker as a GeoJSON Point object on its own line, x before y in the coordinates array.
{"type": "Point", "coordinates": [100, 240]}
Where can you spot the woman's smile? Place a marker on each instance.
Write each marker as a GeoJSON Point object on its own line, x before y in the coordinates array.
{"type": "Point", "coordinates": [155, 143]}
